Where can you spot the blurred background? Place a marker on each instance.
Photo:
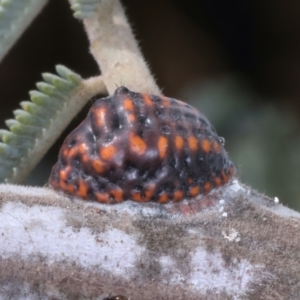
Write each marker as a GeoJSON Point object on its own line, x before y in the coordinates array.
{"type": "Point", "coordinates": [236, 61]}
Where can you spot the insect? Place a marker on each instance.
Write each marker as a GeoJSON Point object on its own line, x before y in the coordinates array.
{"type": "Point", "coordinates": [140, 147]}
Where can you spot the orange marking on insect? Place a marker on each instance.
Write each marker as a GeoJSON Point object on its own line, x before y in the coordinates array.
{"type": "Point", "coordinates": [102, 197]}
{"type": "Point", "coordinates": [147, 99]}
{"type": "Point", "coordinates": [162, 146]}
{"type": "Point", "coordinates": [66, 152]}
{"type": "Point", "coordinates": [217, 181]}
{"type": "Point", "coordinates": [100, 114]}
{"type": "Point", "coordinates": [190, 180]}
{"type": "Point", "coordinates": [131, 117]}
{"type": "Point", "coordinates": [98, 165]}
{"type": "Point", "coordinates": [85, 158]}
{"type": "Point", "coordinates": [72, 152]}
{"type": "Point", "coordinates": [149, 192]}
{"type": "Point", "coordinates": [137, 144]}
{"type": "Point", "coordinates": [207, 187]}
{"type": "Point", "coordinates": [82, 189]}
{"type": "Point", "coordinates": [68, 188]}
{"type": "Point", "coordinates": [206, 145]}
{"type": "Point", "coordinates": [118, 195]}
{"type": "Point", "coordinates": [194, 191]}
{"type": "Point", "coordinates": [82, 148]}
{"type": "Point", "coordinates": [179, 142]}
{"type": "Point", "coordinates": [136, 196]}
{"type": "Point", "coordinates": [63, 176]}
{"type": "Point", "coordinates": [178, 195]}
{"type": "Point", "coordinates": [216, 147]}
{"type": "Point", "coordinates": [108, 152]}
{"type": "Point", "coordinates": [224, 176]}
{"type": "Point", "coordinates": [128, 104]}
{"type": "Point", "coordinates": [64, 173]}
{"type": "Point", "coordinates": [163, 198]}
{"type": "Point", "coordinates": [193, 143]}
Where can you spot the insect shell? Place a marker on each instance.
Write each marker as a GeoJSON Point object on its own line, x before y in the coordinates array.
{"type": "Point", "coordinates": [141, 147]}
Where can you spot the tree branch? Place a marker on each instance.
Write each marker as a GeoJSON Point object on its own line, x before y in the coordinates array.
{"type": "Point", "coordinates": [233, 243]}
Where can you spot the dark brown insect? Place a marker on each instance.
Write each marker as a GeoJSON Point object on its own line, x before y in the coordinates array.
{"type": "Point", "coordinates": [143, 148]}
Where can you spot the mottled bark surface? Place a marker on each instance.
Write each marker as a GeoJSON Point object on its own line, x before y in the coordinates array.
{"type": "Point", "coordinates": [230, 244]}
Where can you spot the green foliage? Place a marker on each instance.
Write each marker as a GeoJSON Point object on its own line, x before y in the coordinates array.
{"type": "Point", "coordinates": [84, 8]}
{"type": "Point", "coordinates": [15, 16]}
{"type": "Point", "coordinates": [33, 120]}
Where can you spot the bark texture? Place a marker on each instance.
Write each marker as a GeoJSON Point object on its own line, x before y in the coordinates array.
{"type": "Point", "coordinates": [231, 244]}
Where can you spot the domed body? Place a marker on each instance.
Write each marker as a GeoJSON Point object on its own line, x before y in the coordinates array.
{"type": "Point", "coordinates": [140, 147]}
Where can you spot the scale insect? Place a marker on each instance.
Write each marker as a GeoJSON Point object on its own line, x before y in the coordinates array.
{"type": "Point", "coordinates": [141, 147]}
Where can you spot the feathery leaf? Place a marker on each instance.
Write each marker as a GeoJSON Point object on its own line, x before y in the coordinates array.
{"type": "Point", "coordinates": [15, 16]}
{"type": "Point", "coordinates": [84, 8]}
{"type": "Point", "coordinates": [31, 132]}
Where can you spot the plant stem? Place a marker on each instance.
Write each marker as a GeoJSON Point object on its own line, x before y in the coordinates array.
{"type": "Point", "coordinates": [116, 51]}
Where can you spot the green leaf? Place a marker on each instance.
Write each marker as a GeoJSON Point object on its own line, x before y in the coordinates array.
{"type": "Point", "coordinates": [21, 129]}
{"type": "Point", "coordinates": [26, 118]}
{"type": "Point", "coordinates": [6, 162]}
{"type": "Point", "coordinates": [67, 74]}
{"type": "Point", "coordinates": [11, 152]}
{"type": "Point", "coordinates": [50, 90]}
{"type": "Point", "coordinates": [84, 8]}
{"type": "Point", "coordinates": [58, 82]}
{"type": "Point", "coordinates": [43, 100]}
{"type": "Point", "coordinates": [34, 124]}
{"type": "Point", "coordinates": [15, 15]}
{"type": "Point", "coordinates": [12, 139]}
{"type": "Point", "coordinates": [34, 109]}
{"type": "Point", "coordinates": [5, 172]}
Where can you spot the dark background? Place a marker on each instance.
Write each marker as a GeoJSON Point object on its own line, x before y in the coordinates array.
{"type": "Point", "coordinates": [237, 61]}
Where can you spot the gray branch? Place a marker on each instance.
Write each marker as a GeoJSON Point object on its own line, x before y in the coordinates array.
{"type": "Point", "coordinates": [231, 244]}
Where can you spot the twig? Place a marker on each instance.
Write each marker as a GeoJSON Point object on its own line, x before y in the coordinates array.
{"type": "Point", "coordinates": [116, 51]}
{"type": "Point", "coordinates": [242, 246]}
